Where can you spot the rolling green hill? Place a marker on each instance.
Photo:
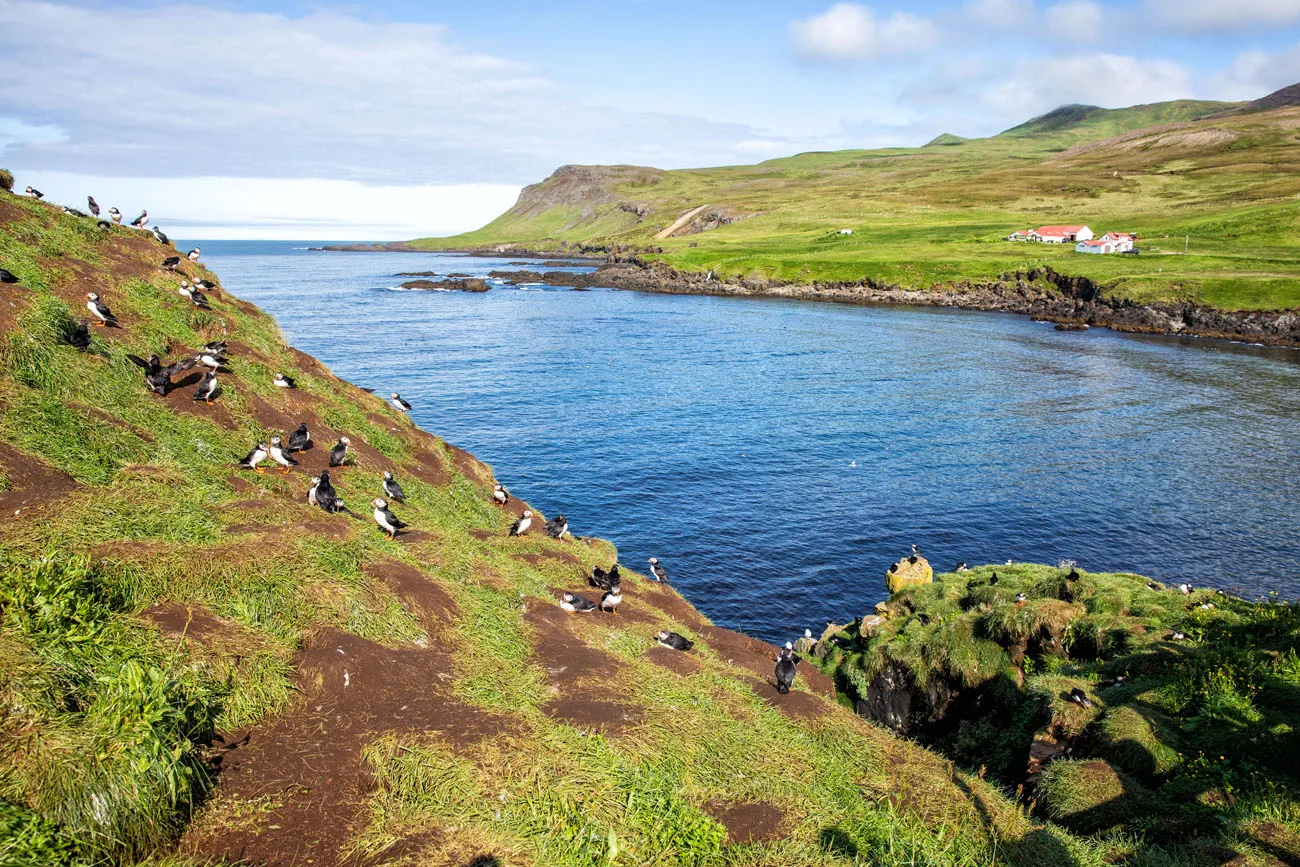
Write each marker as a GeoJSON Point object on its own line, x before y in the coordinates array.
{"type": "Point", "coordinates": [1213, 189]}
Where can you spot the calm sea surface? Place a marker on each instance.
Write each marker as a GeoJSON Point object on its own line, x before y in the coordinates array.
{"type": "Point", "coordinates": [777, 456]}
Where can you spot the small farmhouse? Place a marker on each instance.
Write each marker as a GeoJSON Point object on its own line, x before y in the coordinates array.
{"type": "Point", "coordinates": [1063, 234]}
{"type": "Point", "coordinates": [1095, 245]}
{"type": "Point", "coordinates": [1122, 241]}
{"type": "Point", "coordinates": [1026, 235]}
{"type": "Point", "coordinates": [846, 231]}
{"type": "Point", "coordinates": [1111, 242]}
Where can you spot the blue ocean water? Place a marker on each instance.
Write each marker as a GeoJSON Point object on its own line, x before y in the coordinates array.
{"type": "Point", "coordinates": [777, 456]}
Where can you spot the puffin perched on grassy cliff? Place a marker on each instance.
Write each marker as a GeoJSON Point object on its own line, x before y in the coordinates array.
{"type": "Point", "coordinates": [253, 458]}
{"type": "Point", "coordinates": [604, 580]}
{"type": "Point", "coordinates": [612, 599]}
{"type": "Point", "coordinates": [282, 381]}
{"type": "Point", "coordinates": [207, 388]}
{"type": "Point", "coordinates": [576, 604]}
{"type": "Point", "coordinates": [658, 572]}
{"type": "Point", "coordinates": [326, 497]}
{"type": "Point", "coordinates": [7, 277]}
{"type": "Point", "coordinates": [399, 403]}
{"type": "Point", "coordinates": [157, 376]}
{"type": "Point", "coordinates": [557, 527]}
{"type": "Point", "coordinates": [35, 193]}
{"type": "Point", "coordinates": [785, 663]}
{"type": "Point", "coordinates": [673, 640]}
{"type": "Point", "coordinates": [93, 205]}
{"type": "Point", "coordinates": [392, 489]}
{"type": "Point", "coordinates": [500, 495]}
{"type": "Point", "coordinates": [299, 439]}
{"type": "Point", "coordinates": [80, 336]}
{"type": "Point", "coordinates": [387, 521]}
{"type": "Point", "coordinates": [141, 221]}
{"type": "Point", "coordinates": [100, 310]}
{"type": "Point", "coordinates": [522, 526]}
{"type": "Point", "coordinates": [339, 453]}
{"type": "Point", "coordinates": [281, 455]}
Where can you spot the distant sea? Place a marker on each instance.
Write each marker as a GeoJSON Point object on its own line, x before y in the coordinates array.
{"type": "Point", "coordinates": [778, 455]}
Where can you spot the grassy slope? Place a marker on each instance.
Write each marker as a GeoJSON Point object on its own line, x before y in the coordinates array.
{"type": "Point", "coordinates": [1191, 755]}
{"type": "Point", "coordinates": [933, 215]}
{"type": "Point", "coordinates": [154, 595]}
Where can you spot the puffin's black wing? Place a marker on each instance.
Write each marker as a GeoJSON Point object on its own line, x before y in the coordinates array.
{"type": "Point", "coordinates": [393, 520]}
{"type": "Point", "coordinates": [135, 359]}
{"type": "Point", "coordinates": [337, 455]}
{"type": "Point", "coordinates": [248, 457]}
{"type": "Point", "coordinates": [80, 336]}
{"type": "Point", "coordinates": [7, 277]}
{"type": "Point", "coordinates": [180, 366]}
{"type": "Point", "coordinates": [94, 206]}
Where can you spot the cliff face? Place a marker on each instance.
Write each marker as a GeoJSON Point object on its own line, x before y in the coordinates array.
{"type": "Point", "coordinates": [194, 659]}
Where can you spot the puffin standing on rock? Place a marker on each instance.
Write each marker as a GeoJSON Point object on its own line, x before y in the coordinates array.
{"type": "Point", "coordinates": [675, 641]}
{"type": "Point", "coordinates": [785, 663]}
{"type": "Point", "coordinates": [392, 489]}
{"type": "Point", "coordinates": [339, 453]}
{"type": "Point", "coordinates": [521, 527]}
{"type": "Point", "coordinates": [387, 521]}
{"type": "Point", "coordinates": [575, 604]}
{"type": "Point", "coordinates": [100, 310]}
{"type": "Point", "coordinates": [500, 495]}
{"type": "Point", "coordinates": [658, 572]}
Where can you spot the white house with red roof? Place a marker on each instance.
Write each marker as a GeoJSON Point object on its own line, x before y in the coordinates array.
{"type": "Point", "coordinates": [1063, 234]}
{"type": "Point", "coordinates": [1111, 242]}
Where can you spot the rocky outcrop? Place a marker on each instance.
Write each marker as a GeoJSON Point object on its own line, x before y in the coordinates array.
{"type": "Point", "coordinates": [911, 571]}
{"type": "Point", "coordinates": [583, 187]}
{"type": "Point", "coordinates": [451, 284]}
{"type": "Point", "coordinates": [897, 701]}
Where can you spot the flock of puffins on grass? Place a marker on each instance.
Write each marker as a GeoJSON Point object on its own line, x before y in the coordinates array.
{"type": "Point", "coordinates": [214, 357]}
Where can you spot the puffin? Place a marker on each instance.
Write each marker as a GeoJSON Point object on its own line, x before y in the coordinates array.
{"type": "Point", "coordinates": [339, 453]}
{"type": "Point", "coordinates": [206, 285]}
{"type": "Point", "coordinates": [612, 599]}
{"type": "Point", "coordinates": [1073, 576]}
{"type": "Point", "coordinates": [1185, 589]}
{"type": "Point", "coordinates": [207, 358]}
{"type": "Point", "coordinates": [93, 205]}
{"type": "Point", "coordinates": [387, 521]}
{"type": "Point", "coordinates": [1021, 598]}
{"type": "Point", "coordinates": [104, 225]}
{"type": "Point", "coordinates": [162, 239]}
{"type": "Point", "coordinates": [785, 663]}
{"type": "Point", "coordinates": [399, 403]}
{"type": "Point", "coordinates": [141, 221]}
{"type": "Point", "coordinates": [807, 633]}
{"type": "Point", "coordinates": [158, 377]}
{"type": "Point", "coordinates": [7, 277]}
{"type": "Point", "coordinates": [1080, 698]}
{"type": "Point", "coordinates": [602, 579]}
{"type": "Point", "coordinates": [171, 263]}
{"type": "Point", "coordinates": [80, 336]}
{"type": "Point", "coordinates": [35, 193]}
{"type": "Point", "coordinates": [217, 347]}
{"type": "Point", "coordinates": [282, 381]}
{"type": "Point", "coordinates": [961, 567]}
{"type": "Point", "coordinates": [253, 458]}
{"type": "Point", "coordinates": [299, 439]}
{"type": "Point", "coordinates": [326, 497]}
{"type": "Point", "coordinates": [280, 454]}
{"type": "Point", "coordinates": [100, 309]}
{"type": "Point", "coordinates": [557, 527]}
{"type": "Point", "coordinates": [311, 492]}
{"type": "Point", "coordinates": [673, 640]}
{"type": "Point", "coordinates": [1178, 635]}
{"type": "Point", "coordinates": [208, 388]}
{"type": "Point", "coordinates": [191, 292]}
{"type": "Point", "coordinates": [392, 489]}
{"type": "Point", "coordinates": [575, 604]}
{"type": "Point", "coordinates": [115, 215]}
{"type": "Point", "coordinates": [520, 527]}
{"type": "Point", "coordinates": [658, 572]}
{"type": "Point", "coordinates": [193, 255]}
{"type": "Point", "coordinates": [73, 212]}
{"type": "Point", "coordinates": [500, 495]}
{"type": "Point", "coordinates": [994, 578]}
{"type": "Point", "coordinates": [916, 552]}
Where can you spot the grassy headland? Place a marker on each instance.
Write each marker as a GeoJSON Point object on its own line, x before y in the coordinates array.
{"type": "Point", "coordinates": [1213, 189]}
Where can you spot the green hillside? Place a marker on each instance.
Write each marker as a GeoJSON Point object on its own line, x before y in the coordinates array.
{"type": "Point", "coordinates": [198, 667]}
{"type": "Point", "coordinates": [1213, 190]}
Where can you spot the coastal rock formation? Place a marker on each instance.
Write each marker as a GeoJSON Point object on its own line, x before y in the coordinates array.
{"type": "Point", "coordinates": [909, 572]}
{"type": "Point", "coordinates": [451, 284]}
{"type": "Point", "coordinates": [896, 700]}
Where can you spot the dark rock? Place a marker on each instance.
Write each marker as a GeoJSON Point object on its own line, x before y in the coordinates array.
{"type": "Point", "coordinates": [472, 284]}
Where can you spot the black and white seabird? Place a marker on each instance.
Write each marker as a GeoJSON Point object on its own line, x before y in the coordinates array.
{"type": "Point", "coordinates": [212, 360]}
{"type": "Point", "coordinates": [162, 239]}
{"type": "Point", "coordinates": [80, 335]}
{"type": "Point", "coordinates": [602, 579]}
{"type": "Point", "coordinates": [34, 193]}
{"type": "Point", "coordinates": [93, 205]}
{"type": "Point", "coordinates": [255, 457]}
{"type": "Point", "coordinates": [500, 495]}
{"type": "Point", "coordinates": [993, 579]}
{"type": "Point", "coordinates": [399, 403]}
{"type": "Point", "coordinates": [612, 599]}
{"type": "Point", "coordinates": [104, 225]}
{"type": "Point", "coordinates": [557, 527]}
{"type": "Point", "coordinates": [961, 567]}
{"type": "Point", "coordinates": [1185, 589]}
{"type": "Point", "coordinates": [387, 521]}
{"type": "Point", "coordinates": [785, 663]}
{"type": "Point", "coordinates": [115, 215]}
{"type": "Point", "coordinates": [191, 292]}
{"type": "Point", "coordinates": [916, 552]}
{"type": "Point", "coordinates": [673, 640]}
{"type": "Point", "coordinates": [326, 497]}
{"type": "Point", "coordinates": [193, 255]}
{"type": "Point", "coordinates": [392, 489]}
{"type": "Point", "coordinates": [73, 212]}
{"type": "Point", "coordinates": [1080, 698]}
{"type": "Point", "coordinates": [100, 310]}
{"type": "Point", "coordinates": [339, 453]}
{"type": "Point", "coordinates": [1178, 635]}
{"type": "Point", "coordinates": [7, 277]}
{"type": "Point", "coordinates": [217, 347]}
{"type": "Point", "coordinates": [206, 285]}
{"type": "Point", "coordinates": [1021, 598]}
{"type": "Point", "coordinates": [658, 572]}
{"type": "Point", "coordinates": [280, 454]}
{"type": "Point", "coordinates": [311, 492]}
{"type": "Point", "coordinates": [171, 263]}
{"type": "Point", "coordinates": [157, 376]}
{"type": "Point", "coordinates": [1073, 576]}
{"type": "Point", "coordinates": [575, 604]}
{"type": "Point", "coordinates": [521, 527]}
{"type": "Point", "coordinates": [282, 381]}
{"type": "Point", "coordinates": [141, 221]}
{"type": "Point", "coordinates": [299, 439]}
{"type": "Point", "coordinates": [208, 388]}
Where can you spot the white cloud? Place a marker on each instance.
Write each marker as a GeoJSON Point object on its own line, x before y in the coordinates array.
{"type": "Point", "coordinates": [1075, 21]}
{"type": "Point", "coordinates": [1000, 14]}
{"type": "Point", "coordinates": [191, 90]}
{"type": "Point", "coordinates": [1109, 80]}
{"type": "Point", "coordinates": [850, 31]}
{"type": "Point", "coordinates": [311, 209]}
{"type": "Point", "coordinates": [1213, 15]}
{"type": "Point", "coordinates": [1256, 73]}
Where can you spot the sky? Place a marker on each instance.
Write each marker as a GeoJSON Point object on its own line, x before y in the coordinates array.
{"type": "Point", "coordinates": [396, 119]}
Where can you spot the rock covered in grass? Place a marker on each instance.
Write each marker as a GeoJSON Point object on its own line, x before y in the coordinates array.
{"type": "Point", "coordinates": [909, 572]}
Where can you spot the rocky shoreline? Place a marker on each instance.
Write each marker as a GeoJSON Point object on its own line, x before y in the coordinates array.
{"type": "Point", "coordinates": [1043, 294]}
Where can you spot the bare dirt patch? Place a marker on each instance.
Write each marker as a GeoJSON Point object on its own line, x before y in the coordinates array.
{"type": "Point", "coordinates": [189, 621]}
{"type": "Point", "coordinates": [589, 714]}
{"type": "Point", "coordinates": [308, 761]}
{"type": "Point", "coordinates": [795, 704]}
{"type": "Point", "coordinates": [673, 660]}
{"type": "Point", "coordinates": [671, 603]}
{"type": "Point", "coordinates": [469, 466]}
{"type": "Point", "coordinates": [427, 600]}
{"type": "Point", "coordinates": [32, 483]}
{"type": "Point", "coordinates": [759, 657]}
{"type": "Point", "coordinates": [565, 656]}
{"type": "Point", "coordinates": [753, 822]}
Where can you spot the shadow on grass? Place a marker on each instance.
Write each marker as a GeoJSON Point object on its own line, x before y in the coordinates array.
{"type": "Point", "coordinates": [836, 842]}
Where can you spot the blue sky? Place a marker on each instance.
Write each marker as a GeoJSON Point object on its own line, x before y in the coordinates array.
{"type": "Point", "coordinates": [392, 119]}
